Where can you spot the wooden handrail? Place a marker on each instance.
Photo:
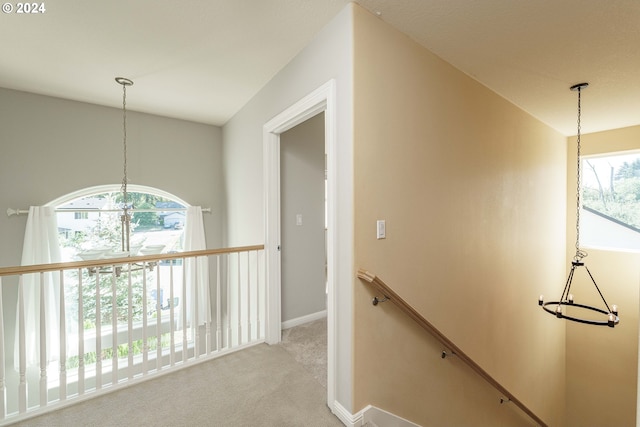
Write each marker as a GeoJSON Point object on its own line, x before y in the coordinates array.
{"type": "Point", "coordinates": [406, 308]}
{"type": "Point", "coordinates": [41, 268]}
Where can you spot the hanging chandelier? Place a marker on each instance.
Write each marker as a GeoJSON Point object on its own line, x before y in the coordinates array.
{"type": "Point", "coordinates": [127, 207]}
{"type": "Point", "coordinates": [125, 218]}
{"type": "Point", "coordinates": [566, 307]}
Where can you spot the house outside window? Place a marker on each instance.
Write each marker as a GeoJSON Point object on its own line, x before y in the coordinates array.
{"type": "Point", "coordinates": [610, 213]}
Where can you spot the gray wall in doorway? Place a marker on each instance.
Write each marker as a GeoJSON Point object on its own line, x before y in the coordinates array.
{"type": "Point", "coordinates": [302, 166]}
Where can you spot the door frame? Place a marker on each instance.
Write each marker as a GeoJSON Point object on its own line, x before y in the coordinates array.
{"type": "Point", "coordinates": [321, 99]}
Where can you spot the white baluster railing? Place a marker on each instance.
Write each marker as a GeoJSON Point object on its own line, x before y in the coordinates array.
{"type": "Point", "coordinates": [98, 377]}
{"type": "Point", "coordinates": [43, 343]}
{"type": "Point", "coordinates": [97, 341]}
{"type": "Point", "coordinates": [62, 389]}
{"type": "Point", "coordinates": [22, 353]}
{"type": "Point", "coordinates": [3, 387]}
{"type": "Point", "coordinates": [80, 335]}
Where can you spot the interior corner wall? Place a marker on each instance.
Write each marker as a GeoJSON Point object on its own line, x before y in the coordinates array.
{"type": "Point", "coordinates": [602, 363]}
{"type": "Point", "coordinates": [329, 56]}
{"type": "Point", "coordinates": [473, 193]}
{"type": "Point", "coordinates": [52, 147]}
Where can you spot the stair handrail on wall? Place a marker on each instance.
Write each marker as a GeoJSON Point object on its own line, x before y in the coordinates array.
{"type": "Point", "coordinates": [390, 295]}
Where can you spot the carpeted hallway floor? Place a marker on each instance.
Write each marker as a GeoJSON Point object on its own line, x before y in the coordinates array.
{"type": "Point", "coordinates": [281, 385]}
{"type": "Point", "coordinates": [307, 344]}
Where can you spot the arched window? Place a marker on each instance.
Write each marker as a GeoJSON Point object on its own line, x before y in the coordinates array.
{"type": "Point", "coordinates": [89, 222]}
{"type": "Point", "coordinates": [89, 227]}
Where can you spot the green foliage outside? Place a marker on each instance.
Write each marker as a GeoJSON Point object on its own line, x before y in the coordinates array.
{"type": "Point", "coordinates": [614, 191]}
{"type": "Point", "coordinates": [123, 351]}
{"type": "Point", "coordinates": [107, 232]}
{"type": "Point", "coordinates": [142, 201]}
{"type": "Point", "coordinates": [107, 288]}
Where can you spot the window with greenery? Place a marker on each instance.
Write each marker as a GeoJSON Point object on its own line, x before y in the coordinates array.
{"type": "Point", "coordinates": [96, 234]}
{"type": "Point", "coordinates": [610, 216]}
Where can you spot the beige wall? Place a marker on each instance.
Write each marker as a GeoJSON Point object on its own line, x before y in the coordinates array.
{"type": "Point", "coordinates": [602, 363]}
{"type": "Point", "coordinates": [472, 191]}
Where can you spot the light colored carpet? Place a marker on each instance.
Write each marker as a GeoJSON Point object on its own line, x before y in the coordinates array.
{"type": "Point", "coordinates": [307, 344]}
{"type": "Point", "coordinates": [259, 386]}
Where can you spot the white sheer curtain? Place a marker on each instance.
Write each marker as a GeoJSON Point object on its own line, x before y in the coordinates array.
{"type": "Point", "coordinates": [40, 247]}
{"type": "Point", "coordinates": [196, 269]}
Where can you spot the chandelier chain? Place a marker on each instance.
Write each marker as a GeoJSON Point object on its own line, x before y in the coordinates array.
{"type": "Point", "coordinates": [579, 253]}
{"type": "Point", "coordinates": [125, 217]}
{"type": "Point", "coordinates": [124, 143]}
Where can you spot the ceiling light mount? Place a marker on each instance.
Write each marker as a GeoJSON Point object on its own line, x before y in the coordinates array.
{"type": "Point", "coordinates": [579, 86]}
{"type": "Point", "coordinates": [124, 81]}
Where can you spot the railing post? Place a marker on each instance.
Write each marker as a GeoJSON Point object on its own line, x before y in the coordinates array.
{"type": "Point", "coordinates": [195, 316]}
{"type": "Point", "coordinates": [172, 321]}
{"type": "Point", "coordinates": [259, 324]}
{"type": "Point", "coordinates": [218, 306]}
{"type": "Point", "coordinates": [130, 369]}
{"type": "Point", "coordinates": [80, 334]}
{"type": "Point", "coordinates": [239, 283]}
{"type": "Point", "coordinates": [114, 327]}
{"type": "Point", "coordinates": [249, 324]}
{"type": "Point", "coordinates": [22, 353]}
{"type": "Point", "coordinates": [98, 333]}
{"type": "Point", "coordinates": [183, 304]}
{"type": "Point", "coordinates": [145, 314]}
{"type": "Point", "coordinates": [62, 388]}
{"type": "Point", "coordinates": [3, 387]}
{"type": "Point", "coordinates": [43, 342]}
{"type": "Point", "coordinates": [208, 333]}
{"type": "Point", "coordinates": [158, 319]}
{"type": "Point", "coordinates": [228, 307]}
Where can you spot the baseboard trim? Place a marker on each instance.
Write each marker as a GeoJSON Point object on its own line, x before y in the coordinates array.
{"type": "Point", "coordinates": [381, 417]}
{"type": "Point", "coordinates": [347, 418]}
{"type": "Point", "coordinates": [376, 416]}
{"type": "Point", "coordinates": [304, 319]}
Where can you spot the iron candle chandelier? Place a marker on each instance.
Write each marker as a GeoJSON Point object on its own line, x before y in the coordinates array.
{"type": "Point", "coordinates": [566, 300]}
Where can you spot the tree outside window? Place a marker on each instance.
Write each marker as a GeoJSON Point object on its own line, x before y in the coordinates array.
{"type": "Point", "coordinates": [611, 200]}
{"type": "Point", "coordinates": [99, 234]}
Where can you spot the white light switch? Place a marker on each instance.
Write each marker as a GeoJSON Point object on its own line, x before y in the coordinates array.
{"type": "Point", "coordinates": [298, 219]}
{"type": "Point", "coordinates": [381, 229]}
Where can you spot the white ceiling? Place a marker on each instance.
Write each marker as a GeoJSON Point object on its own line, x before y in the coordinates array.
{"type": "Point", "coordinates": [202, 60]}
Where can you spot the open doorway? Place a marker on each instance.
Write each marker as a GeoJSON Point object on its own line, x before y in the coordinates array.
{"type": "Point", "coordinates": [303, 245]}
{"type": "Point", "coordinates": [302, 223]}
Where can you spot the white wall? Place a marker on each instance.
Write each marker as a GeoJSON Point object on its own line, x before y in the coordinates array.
{"type": "Point", "coordinates": [328, 56]}
{"type": "Point", "coordinates": [50, 147]}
